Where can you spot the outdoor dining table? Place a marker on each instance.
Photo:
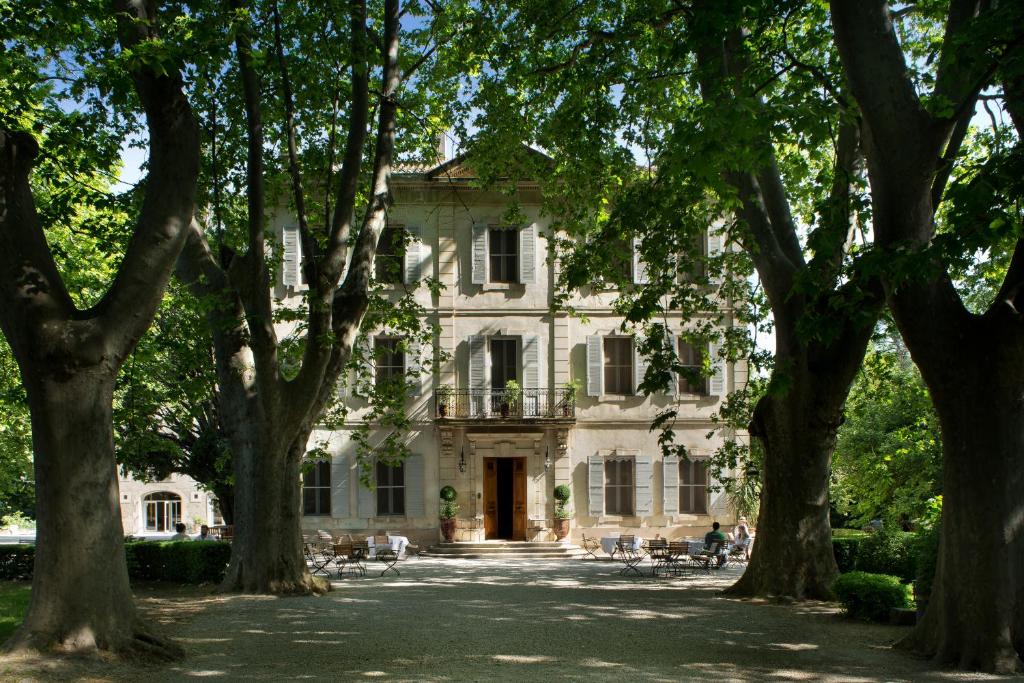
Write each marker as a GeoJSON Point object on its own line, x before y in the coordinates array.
{"type": "Point", "coordinates": [608, 543]}
{"type": "Point", "coordinates": [396, 543]}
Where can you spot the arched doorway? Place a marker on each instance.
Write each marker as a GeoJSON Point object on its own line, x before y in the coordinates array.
{"type": "Point", "coordinates": [162, 511]}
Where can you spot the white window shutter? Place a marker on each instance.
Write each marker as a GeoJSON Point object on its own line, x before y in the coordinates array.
{"type": "Point", "coordinates": [595, 366]}
{"type": "Point", "coordinates": [366, 503]}
{"type": "Point", "coordinates": [414, 366]}
{"type": "Point", "coordinates": [528, 254]}
{"type": "Point", "coordinates": [639, 267]}
{"type": "Point", "coordinates": [670, 484]}
{"type": "Point", "coordinates": [673, 382]}
{"type": "Point", "coordinates": [639, 369]}
{"type": "Point", "coordinates": [595, 472]}
{"type": "Point", "coordinates": [642, 485]}
{"type": "Point", "coordinates": [479, 265]}
{"type": "Point", "coordinates": [366, 373]}
{"type": "Point", "coordinates": [339, 486]}
{"type": "Point", "coordinates": [531, 361]}
{"type": "Point", "coordinates": [414, 485]}
{"type": "Point", "coordinates": [413, 270]}
{"type": "Point", "coordinates": [477, 369]}
{"type": "Point", "coordinates": [714, 250]}
{"type": "Point", "coordinates": [291, 262]}
{"type": "Point", "coordinates": [716, 383]}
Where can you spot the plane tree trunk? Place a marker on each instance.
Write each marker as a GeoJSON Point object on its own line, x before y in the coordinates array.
{"type": "Point", "coordinates": [81, 601]}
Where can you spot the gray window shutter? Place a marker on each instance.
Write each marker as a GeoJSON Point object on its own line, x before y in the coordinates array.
{"type": "Point", "coordinates": [479, 275]}
{"type": "Point", "coordinates": [595, 471]}
{"type": "Point", "coordinates": [340, 486]}
{"type": "Point", "coordinates": [639, 369]}
{"type": "Point", "coordinates": [366, 502]}
{"type": "Point", "coordinates": [414, 485]}
{"type": "Point", "coordinates": [291, 262]}
{"type": "Point", "coordinates": [528, 254]}
{"type": "Point", "coordinates": [477, 367]}
{"type": "Point", "coordinates": [595, 366]}
{"type": "Point", "coordinates": [716, 383]}
{"type": "Point", "coordinates": [639, 267]}
{"type": "Point", "coordinates": [673, 382]}
{"type": "Point", "coordinates": [531, 361]}
{"type": "Point", "coordinates": [414, 365]}
{"type": "Point", "coordinates": [670, 479]}
{"type": "Point", "coordinates": [644, 474]}
{"type": "Point", "coordinates": [714, 250]}
{"type": "Point", "coordinates": [366, 373]}
{"type": "Point", "coordinates": [413, 271]}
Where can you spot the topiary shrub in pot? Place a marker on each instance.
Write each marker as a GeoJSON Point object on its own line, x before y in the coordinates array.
{"type": "Point", "coordinates": [562, 514]}
{"type": "Point", "coordinates": [449, 509]}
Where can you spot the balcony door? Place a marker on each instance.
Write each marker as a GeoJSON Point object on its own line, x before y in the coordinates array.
{"type": "Point", "coordinates": [505, 499]}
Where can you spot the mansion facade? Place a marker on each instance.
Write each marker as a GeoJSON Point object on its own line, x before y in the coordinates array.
{"type": "Point", "coordinates": [577, 419]}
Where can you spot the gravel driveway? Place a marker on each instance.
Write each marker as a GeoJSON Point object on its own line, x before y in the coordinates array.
{"type": "Point", "coordinates": [523, 620]}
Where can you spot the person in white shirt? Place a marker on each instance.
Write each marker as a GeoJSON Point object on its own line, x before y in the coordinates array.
{"type": "Point", "coordinates": [741, 536]}
{"type": "Point", "coordinates": [204, 534]}
{"type": "Point", "coordinates": [181, 535]}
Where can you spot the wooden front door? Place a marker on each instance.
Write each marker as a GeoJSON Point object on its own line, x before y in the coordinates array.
{"type": "Point", "coordinates": [505, 498]}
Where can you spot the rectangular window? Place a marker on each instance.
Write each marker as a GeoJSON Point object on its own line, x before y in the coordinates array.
{"type": "Point", "coordinates": [504, 254]}
{"type": "Point", "coordinates": [618, 366]}
{"type": "Point", "coordinates": [316, 489]}
{"type": "Point", "coordinates": [618, 486]}
{"type": "Point", "coordinates": [389, 360]}
{"type": "Point", "coordinates": [504, 366]}
{"type": "Point", "coordinates": [692, 381]}
{"type": "Point", "coordinates": [390, 255]}
{"type": "Point", "coordinates": [390, 489]}
{"type": "Point", "coordinates": [693, 486]}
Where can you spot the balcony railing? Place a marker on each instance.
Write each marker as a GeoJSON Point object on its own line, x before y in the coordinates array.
{"type": "Point", "coordinates": [496, 404]}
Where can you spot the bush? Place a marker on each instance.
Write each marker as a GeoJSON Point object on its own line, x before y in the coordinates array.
{"type": "Point", "coordinates": [870, 596]}
{"type": "Point", "coordinates": [926, 551]}
{"type": "Point", "coordinates": [448, 494]}
{"type": "Point", "coordinates": [178, 561]}
{"type": "Point", "coordinates": [16, 562]}
{"type": "Point", "coordinates": [562, 493]}
{"type": "Point", "coordinates": [846, 551]}
{"type": "Point", "coordinates": [888, 551]}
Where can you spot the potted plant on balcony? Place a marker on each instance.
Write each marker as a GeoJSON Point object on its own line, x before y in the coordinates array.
{"type": "Point", "coordinates": [444, 396]}
{"type": "Point", "coordinates": [562, 495]}
{"type": "Point", "coordinates": [512, 396]}
{"type": "Point", "coordinates": [572, 388]}
{"type": "Point", "coordinates": [449, 508]}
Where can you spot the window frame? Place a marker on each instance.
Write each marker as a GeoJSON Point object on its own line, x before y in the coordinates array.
{"type": "Point", "coordinates": [506, 260]}
{"type": "Point", "coordinates": [321, 490]}
{"type": "Point", "coordinates": [387, 372]}
{"type": "Point", "coordinates": [689, 490]}
{"type": "Point", "coordinates": [390, 251]}
{"type": "Point", "coordinates": [386, 490]}
{"type": "Point", "coordinates": [616, 489]}
{"type": "Point", "coordinates": [627, 371]}
{"type": "Point", "coordinates": [684, 384]}
{"type": "Point", "coordinates": [167, 503]}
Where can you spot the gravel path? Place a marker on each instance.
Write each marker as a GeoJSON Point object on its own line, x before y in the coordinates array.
{"type": "Point", "coordinates": [524, 620]}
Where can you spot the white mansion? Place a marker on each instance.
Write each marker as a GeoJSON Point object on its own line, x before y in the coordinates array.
{"type": "Point", "coordinates": [496, 324]}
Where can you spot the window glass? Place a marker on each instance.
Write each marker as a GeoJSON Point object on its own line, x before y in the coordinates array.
{"type": "Point", "coordinates": [389, 359]}
{"type": "Point", "coordinates": [691, 357]}
{"type": "Point", "coordinates": [390, 255]}
{"type": "Point", "coordinates": [504, 366]}
{"type": "Point", "coordinates": [504, 254]}
{"type": "Point", "coordinates": [693, 483]}
{"type": "Point", "coordinates": [618, 486]}
{"type": "Point", "coordinates": [618, 365]}
{"type": "Point", "coordinates": [316, 489]}
{"type": "Point", "coordinates": [163, 511]}
{"type": "Point", "coordinates": [390, 489]}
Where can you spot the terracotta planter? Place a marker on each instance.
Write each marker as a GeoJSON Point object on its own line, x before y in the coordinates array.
{"type": "Point", "coordinates": [448, 529]}
{"type": "Point", "coordinates": [561, 529]}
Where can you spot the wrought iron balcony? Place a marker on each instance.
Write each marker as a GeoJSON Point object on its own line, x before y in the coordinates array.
{"type": "Point", "coordinates": [498, 404]}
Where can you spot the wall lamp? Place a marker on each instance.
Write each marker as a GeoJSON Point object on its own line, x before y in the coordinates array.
{"type": "Point", "coordinates": [547, 458]}
{"type": "Point", "coordinates": [462, 460]}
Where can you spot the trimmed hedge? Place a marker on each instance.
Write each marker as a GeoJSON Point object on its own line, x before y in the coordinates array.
{"type": "Point", "coordinates": [177, 561]}
{"type": "Point", "coordinates": [870, 596]}
{"type": "Point", "coordinates": [883, 552]}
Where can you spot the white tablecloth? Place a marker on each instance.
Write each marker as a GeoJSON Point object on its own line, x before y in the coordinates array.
{"type": "Point", "coordinates": [397, 543]}
{"type": "Point", "coordinates": [608, 543]}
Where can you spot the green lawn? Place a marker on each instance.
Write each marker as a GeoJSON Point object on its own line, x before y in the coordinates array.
{"type": "Point", "coordinates": [13, 604]}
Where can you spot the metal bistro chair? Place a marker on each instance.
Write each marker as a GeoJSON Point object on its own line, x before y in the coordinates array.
{"type": "Point", "coordinates": [657, 548]}
{"type": "Point", "coordinates": [590, 547]}
{"type": "Point", "coordinates": [697, 557]}
{"type": "Point", "coordinates": [676, 556]}
{"type": "Point", "coordinates": [351, 555]}
{"type": "Point", "coordinates": [319, 555]}
{"type": "Point", "coordinates": [628, 554]}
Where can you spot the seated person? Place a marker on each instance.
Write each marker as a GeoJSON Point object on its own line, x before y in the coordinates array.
{"type": "Point", "coordinates": [204, 534]}
{"type": "Point", "coordinates": [181, 535]}
{"type": "Point", "coordinates": [717, 536]}
{"type": "Point", "coordinates": [741, 536]}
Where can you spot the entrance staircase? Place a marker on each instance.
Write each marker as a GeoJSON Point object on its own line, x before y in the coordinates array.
{"type": "Point", "coordinates": [504, 550]}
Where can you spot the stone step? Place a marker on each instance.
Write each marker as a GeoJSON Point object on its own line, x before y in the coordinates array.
{"type": "Point", "coordinates": [503, 550]}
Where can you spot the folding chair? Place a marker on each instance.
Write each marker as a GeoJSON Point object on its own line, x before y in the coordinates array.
{"type": "Point", "coordinates": [657, 548]}
{"type": "Point", "coordinates": [628, 555]}
{"type": "Point", "coordinates": [351, 555]}
{"type": "Point", "coordinates": [590, 546]}
{"type": "Point", "coordinates": [319, 556]}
